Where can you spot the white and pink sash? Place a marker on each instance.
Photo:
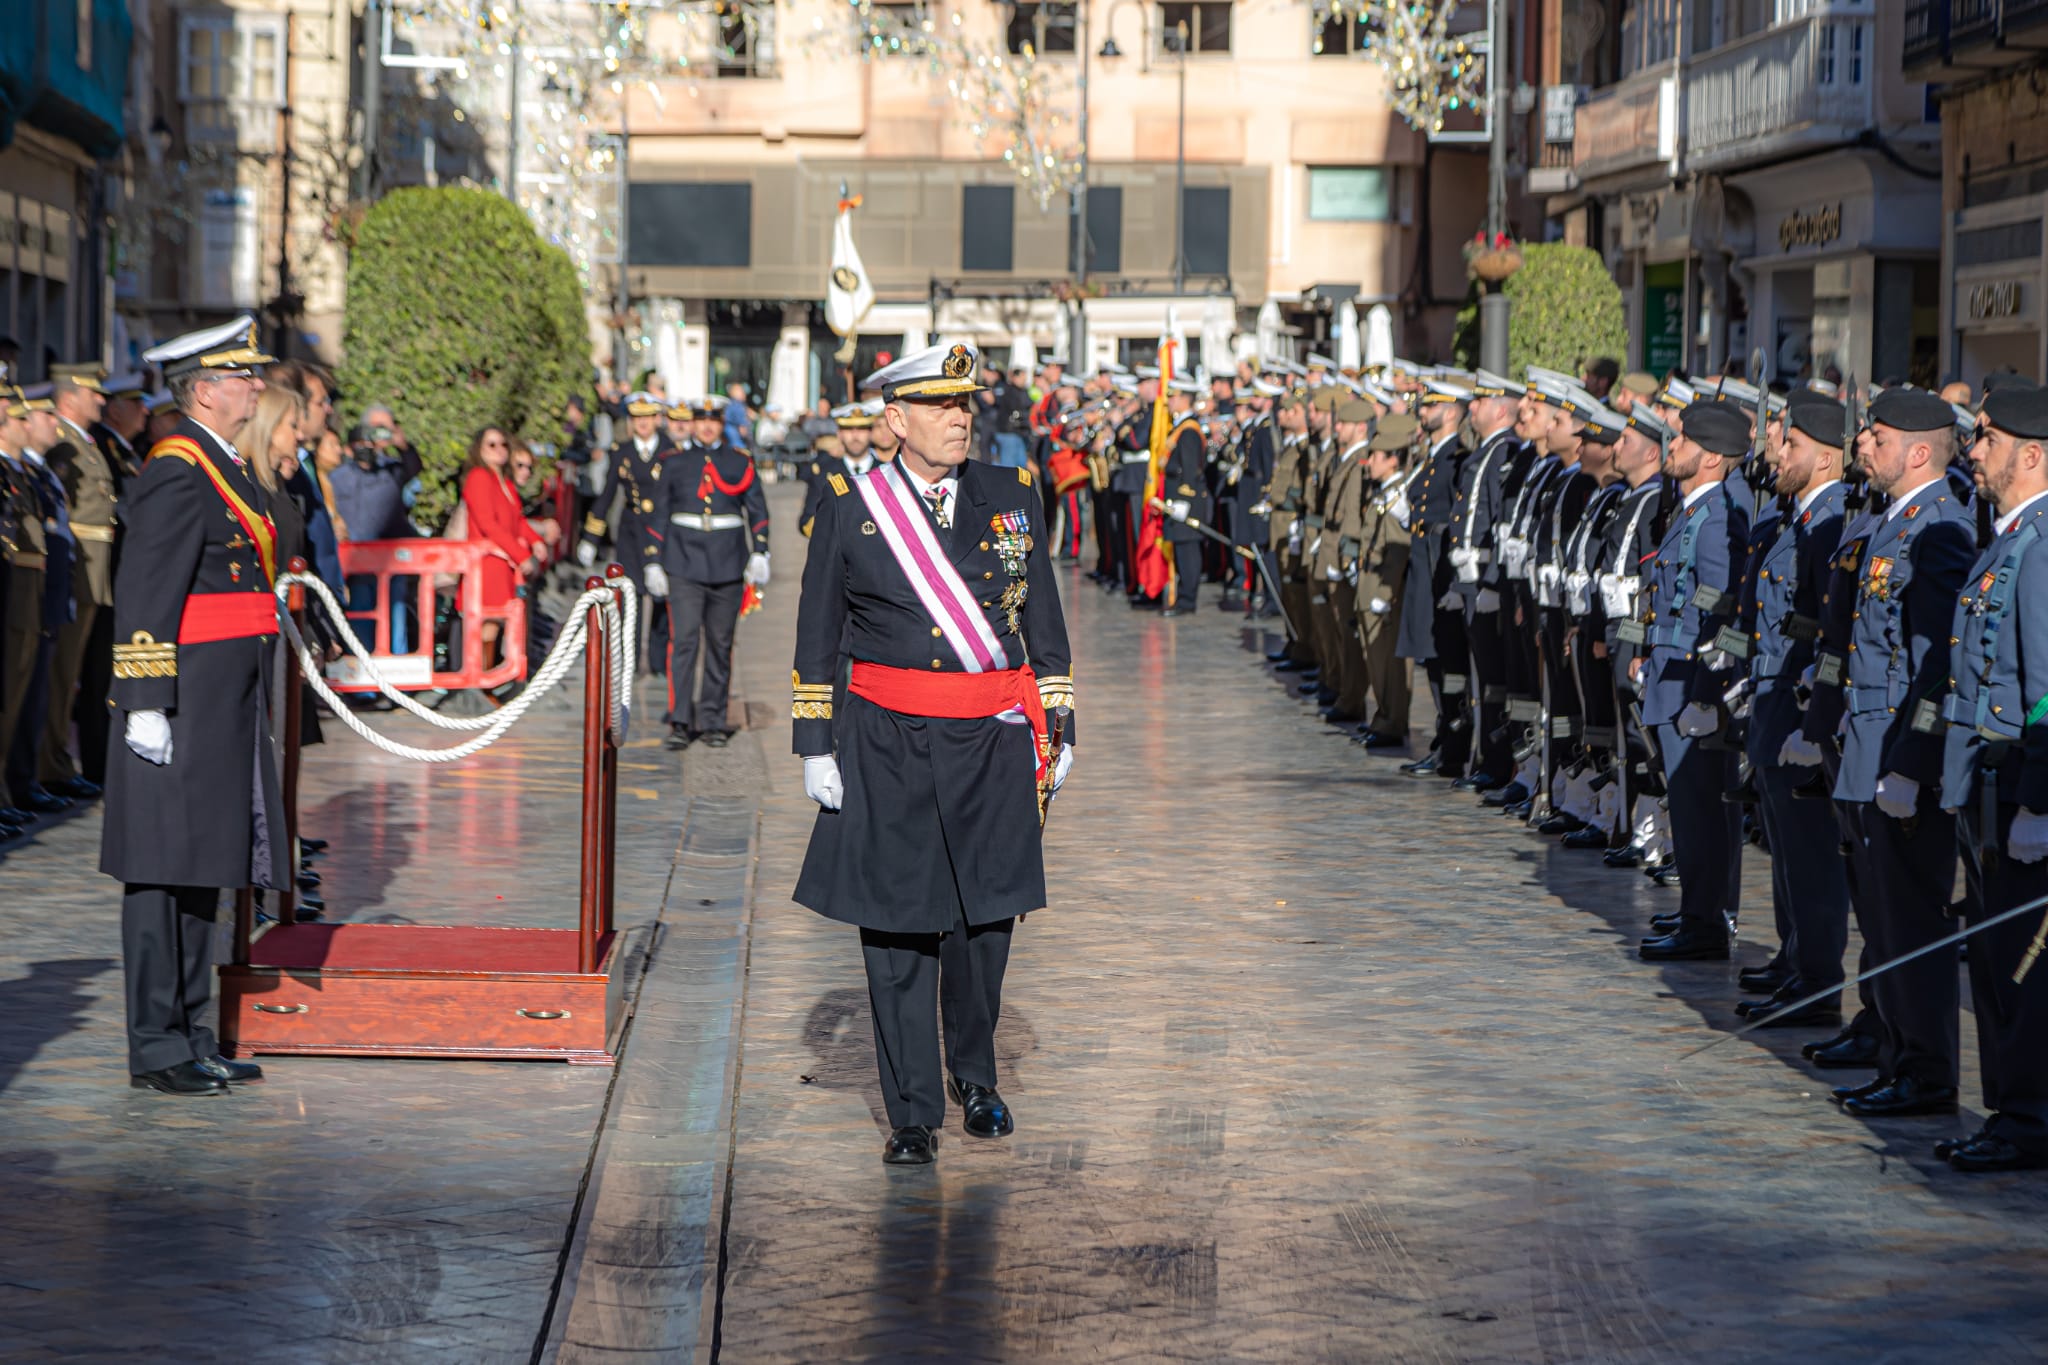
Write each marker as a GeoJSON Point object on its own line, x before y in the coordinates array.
{"type": "Point", "coordinates": [946, 598]}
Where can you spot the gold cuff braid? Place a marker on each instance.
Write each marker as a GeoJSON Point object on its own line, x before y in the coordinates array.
{"type": "Point", "coordinates": [143, 657]}
{"type": "Point", "coordinates": [811, 710]}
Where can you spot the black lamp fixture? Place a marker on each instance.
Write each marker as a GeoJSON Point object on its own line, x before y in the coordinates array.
{"type": "Point", "coordinates": [160, 134]}
{"type": "Point", "coordinates": [1110, 49]}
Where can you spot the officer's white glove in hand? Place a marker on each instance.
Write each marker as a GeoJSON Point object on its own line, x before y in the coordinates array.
{"type": "Point", "coordinates": [1717, 660]}
{"type": "Point", "coordinates": [657, 581]}
{"type": "Point", "coordinates": [586, 554]}
{"type": "Point", "coordinates": [821, 781]}
{"type": "Point", "coordinates": [1379, 606]}
{"type": "Point", "coordinates": [1698, 719]}
{"type": "Point", "coordinates": [149, 734]}
{"type": "Point", "coordinates": [757, 570]}
{"type": "Point", "coordinates": [2028, 842]}
{"type": "Point", "coordinates": [1065, 762]}
{"type": "Point", "coordinates": [1798, 752]}
{"type": "Point", "coordinates": [1334, 574]}
{"type": "Point", "coordinates": [1487, 601]}
{"type": "Point", "coordinates": [1898, 796]}
{"type": "Point", "coordinates": [1450, 601]}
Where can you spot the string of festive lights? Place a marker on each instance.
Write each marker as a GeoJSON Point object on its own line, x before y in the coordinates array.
{"type": "Point", "coordinates": [1430, 72]}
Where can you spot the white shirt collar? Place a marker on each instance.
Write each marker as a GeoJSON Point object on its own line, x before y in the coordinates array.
{"type": "Point", "coordinates": [223, 442]}
{"type": "Point", "coordinates": [1700, 492]}
{"type": "Point", "coordinates": [2010, 519]}
{"type": "Point", "coordinates": [860, 466]}
{"type": "Point", "coordinates": [1811, 495]}
{"type": "Point", "coordinates": [33, 456]}
{"type": "Point", "coordinates": [949, 480]}
{"type": "Point", "coordinates": [82, 435]}
{"type": "Point", "coordinates": [647, 446]}
{"type": "Point", "coordinates": [1900, 503]}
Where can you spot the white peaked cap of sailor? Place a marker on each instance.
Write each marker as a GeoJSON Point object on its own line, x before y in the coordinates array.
{"type": "Point", "coordinates": [1267, 390]}
{"type": "Point", "coordinates": [230, 347]}
{"type": "Point", "coordinates": [951, 367]}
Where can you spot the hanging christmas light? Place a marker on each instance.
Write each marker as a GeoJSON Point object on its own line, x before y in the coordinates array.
{"type": "Point", "coordinates": [1430, 72]}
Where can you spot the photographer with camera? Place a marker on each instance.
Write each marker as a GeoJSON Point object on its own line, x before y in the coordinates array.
{"type": "Point", "coordinates": [373, 489]}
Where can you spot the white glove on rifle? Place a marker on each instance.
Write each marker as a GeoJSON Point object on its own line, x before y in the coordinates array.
{"type": "Point", "coordinates": [657, 582]}
{"type": "Point", "coordinates": [1487, 601]}
{"type": "Point", "coordinates": [757, 570]}
{"type": "Point", "coordinates": [1062, 765]}
{"type": "Point", "coordinates": [1898, 797]}
{"type": "Point", "coordinates": [1798, 752]}
{"type": "Point", "coordinates": [586, 554]}
{"type": "Point", "coordinates": [1450, 601]}
{"type": "Point", "coordinates": [1698, 719]}
{"type": "Point", "coordinates": [149, 734]}
{"type": "Point", "coordinates": [2028, 842]}
{"type": "Point", "coordinates": [821, 781]}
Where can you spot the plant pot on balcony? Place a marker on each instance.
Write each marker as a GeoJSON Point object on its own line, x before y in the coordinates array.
{"type": "Point", "coordinates": [1494, 264]}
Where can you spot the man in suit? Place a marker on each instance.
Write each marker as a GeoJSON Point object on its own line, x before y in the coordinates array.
{"type": "Point", "coordinates": [930, 576]}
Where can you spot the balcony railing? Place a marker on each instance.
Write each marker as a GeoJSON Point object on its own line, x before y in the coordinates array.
{"type": "Point", "coordinates": [1623, 128]}
{"type": "Point", "coordinates": [1801, 84]}
{"type": "Point", "coordinates": [1937, 30]}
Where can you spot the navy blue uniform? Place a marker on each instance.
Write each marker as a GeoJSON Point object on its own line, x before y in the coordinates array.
{"type": "Point", "coordinates": [714, 516]}
{"type": "Point", "coordinates": [632, 482]}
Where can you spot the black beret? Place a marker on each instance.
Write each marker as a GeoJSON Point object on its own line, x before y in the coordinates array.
{"type": "Point", "coordinates": [2006, 379]}
{"type": "Point", "coordinates": [1912, 410]}
{"type": "Point", "coordinates": [1818, 416]}
{"type": "Point", "coordinates": [2017, 411]}
{"type": "Point", "coordinates": [1717, 427]}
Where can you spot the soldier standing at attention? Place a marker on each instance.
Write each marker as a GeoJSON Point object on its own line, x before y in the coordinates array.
{"type": "Point", "coordinates": [631, 481]}
{"type": "Point", "coordinates": [1183, 490]}
{"type": "Point", "coordinates": [931, 575]}
{"type": "Point", "coordinates": [856, 422]}
{"type": "Point", "coordinates": [1381, 574]}
{"type": "Point", "coordinates": [193, 796]}
{"type": "Point", "coordinates": [90, 487]}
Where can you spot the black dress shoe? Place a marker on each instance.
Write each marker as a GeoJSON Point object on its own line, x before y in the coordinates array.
{"type": "Point", "coordinates": [716, 739]}
{"type": "Point", "coordinates": [1561, 823]}
{"type": "Point", "coordinates": [679, 737]}
{"type": "Point", "coordinates": [1586, 836]}
{"type": "Point", "coordinates": [1665, 874]}
{"type": "Point", "coordinates": [308, 880]}
{"type": "Point", "coordinates": [1628, 855]}
{"type": "Point", "coordinates": [1809, 1049]}
{"type": "Point", "coordinates": [1521, 810]}
{"type": "Point", "coordinates": [1478, 782]}
{"type": "Point", "coordinates": [1819, 1014]}
{"type": "Point", "coordinates": [1332, 716]}
{"type": "Point", "coordinates": [222, 1069]}
{"type": "Point", "coordinates": [982, 1111]}
{"type": "Point", "coordinates": [911, 1146]}
{"type": "Point", "coordinates": [183, 1079]}
{"type": "Point", "coordinates": [1293, 666]}
{"type": "Point", "coordinates": [46, 803]}
{"type": "Point", "coordinates": [312, 847]}
{"type": "Point", "coordinates": [1147, 604]}
{"type": "Point", "coordinates": [1903, 1098]}
{"type": "Point", "coordinates": [1851, 1050]}
{"type": "Point", "coordinates": [1948, 1147]}
{"type": "Point", "coordinates": [1276, 656]}
{"type": "Point", "coordinates": [1683, 947]}
{"type": "Point", "coordinates": [1985, 1153]}
{"type": "Point", "coordinates": [1767, 979]}
{"type": "Point", "coordinates": [1513, 794]}
{"type": "Point", "coordinates": [1857, 1092]}
{"type": "Point", "coordinates": [1373, 739]}
{"type": "Point", "coordinates": [16, 816]}
{"type": "Point", "coordinates": [1309, 688]}
{"type": "Point", "coordinates": [1177, 609]}
{"type": "Point", "coordinates": [1667, 923]}
{"type": "Point", "coordinates": [1422, 767]}
{"type": "Point", "coordinates": [77, 788]}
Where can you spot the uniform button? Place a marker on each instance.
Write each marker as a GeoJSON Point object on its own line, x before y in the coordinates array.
{"type": "Point", "coordinates": [984, 545]}
{"type": "Point", "coordinates": [1953, 640]}
{"type": "Point", "coordinates": [988, 575]}
{"type": "Point", "coordinates": [936, 632]}
{"type": "Point", "coordinates": [1997, 709]}
{"type": "Point", "coordinates": [935, 663]}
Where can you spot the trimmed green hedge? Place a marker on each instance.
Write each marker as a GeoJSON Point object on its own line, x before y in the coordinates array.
{"type": "Point", "coordinates": [460, 316]}
{"type": "Point", "coordinates": [1567, 310]}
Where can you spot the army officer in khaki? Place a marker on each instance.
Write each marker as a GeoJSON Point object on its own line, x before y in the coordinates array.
{"type": "Point", "coordinates": [1334, 557]}
{"type": "Point", "coordinates": [1382, 573]}
{"type": "Point", "coordinates": [90, 490]}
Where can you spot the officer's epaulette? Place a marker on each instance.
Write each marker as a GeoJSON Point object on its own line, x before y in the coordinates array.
{"type": "Point", "coordinates": [1024, 477]}
{"type": "Point", "coordinates": [178, 447]}
{"type": "Point", "coordinates": [839, 484]}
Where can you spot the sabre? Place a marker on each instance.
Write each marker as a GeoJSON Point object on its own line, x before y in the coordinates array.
{"type": "Point", "coordinates": [2019, 973]}
{"type": "Point", "coordinates": [1245, 551]}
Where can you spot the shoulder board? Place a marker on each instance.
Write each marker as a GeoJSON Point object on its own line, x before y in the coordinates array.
{"type": "Point", "coordinates": [839, 484]}
{"type": "Point", "coordinates": [1024, 477]}
{"type": "Point", "coordinates": [814, 466]}
{"type": "Point", "coordinates": [178, 447]}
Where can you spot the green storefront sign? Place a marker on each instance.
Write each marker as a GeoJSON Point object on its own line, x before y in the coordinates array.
{"type": "Point", "coordinates": [1663, 317]}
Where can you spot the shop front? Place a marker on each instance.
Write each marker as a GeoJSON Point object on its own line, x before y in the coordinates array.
{"type": "Point", "coordinates": [1995, 293]}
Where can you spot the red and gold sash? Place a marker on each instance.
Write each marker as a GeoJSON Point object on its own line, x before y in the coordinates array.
{"type": "Point", "coordinates": [261, 532]}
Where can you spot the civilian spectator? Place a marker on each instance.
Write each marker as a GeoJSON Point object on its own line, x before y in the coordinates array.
{"type": "Point", "coordinates": [497, 521]}
{"type": "Point", "coordinates": [739, 418]}
{"type": "Point", "coordinates": [818, 422]}
{"type": "Point", "coordinates": [315, 394]}
{"type": "Point", "coordinates": [1009, 406]}
{"type": "Point", "coordinates": [370, 492]}
{"type": "Point", "coordinates": [1602, 373]}
{"type": "Point", "coordinates": [534, 503]}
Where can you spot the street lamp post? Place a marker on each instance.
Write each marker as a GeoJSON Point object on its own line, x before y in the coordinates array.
{"type": "Point", "coordinates": [1178, 39]}
{"type": "Point", "coordinates": [1493, 304]}
{"type": "Point", "coordinates": [1077, 325]}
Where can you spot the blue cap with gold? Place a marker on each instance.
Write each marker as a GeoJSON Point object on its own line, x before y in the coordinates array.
{"type": "Point", "coordinates": [939, 371]}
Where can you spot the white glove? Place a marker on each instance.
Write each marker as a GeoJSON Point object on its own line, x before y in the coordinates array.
{"type": "Point", "coordinates": [586, 554]}
{"type": "Point", "coordinates": [149, 734]}
{"type": "Point", "coordinates": [757, 570]}
{"type": "Point", "coordinates": [1806, 676]}
{"type": "Point", "coordinates": [1062, 765]}
{"type": "Point", "coordinates": [657, 582]}
{"type": "Point", "coordinates": [1379, 606]}
{"type": "Point", "coordinates": [1898, 796]}
{"type": "Point", "coordinates": [2028, 842]}
{"type": "Point", "coordinates": [1334, 574]}
{"type": "Point", "coordinates": [1487, 601]}
{"type": "Point", "coordinates": [1450, 601]}
{"type": "Point", "coordinates": [1400, 510]}
{"type": "Point", "coordinates": [1798, 752]}
{"type": "Point", "coordinates": [1698, 719]}
{"type": "Point", "coordinates": [1716, 660]}
{"type": "Point", "coordinates": [821, 781]}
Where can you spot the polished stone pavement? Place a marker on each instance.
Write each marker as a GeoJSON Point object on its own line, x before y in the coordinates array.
{"type": "Point", "coordinates": [1311, 1061]}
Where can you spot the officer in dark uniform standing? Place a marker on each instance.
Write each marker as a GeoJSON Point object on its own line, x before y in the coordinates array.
{"type": "Point", "coordinates": [1132, 449]}
{"type": "Point", "coordinates": [117, 434]}
{"type": "Point", "coordinates": [1184, 492]}
{"type": "Point", "coordinates": [1476, 578]}
{"type": "Point", "coordinates": [25, 751]}
{"type": "Point", "coordinates": [714, 520]}
{"type": "Point", "coordinates": [23, 539]}
{"type": "Point", "coordinates": [856, 423]}
{"type": "Point", "coordinates": [193, 797]}
{"type": "Point", "coordinates": [1249, 529]}
{"type": "Point", "coordinates": [625, 509]}
{"type": "Point", "coordinates": [931, 575]}
{"type": "Point", "coordinates": [1433, 633]}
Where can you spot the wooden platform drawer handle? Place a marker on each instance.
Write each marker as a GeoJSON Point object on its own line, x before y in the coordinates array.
{"type": "Point", "coordinates": [542, 1014]}
{"type": "Point", "coordinates": [281, 1009]}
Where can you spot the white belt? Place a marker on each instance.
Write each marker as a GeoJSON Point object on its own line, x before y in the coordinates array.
{"type": "Point", "coordinates": [1140, 458]}
{"type": "Point", "coordinates": [717, 521]}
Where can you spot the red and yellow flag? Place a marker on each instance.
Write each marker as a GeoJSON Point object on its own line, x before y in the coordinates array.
{"type": "Point", "coordinates": [1155, 575]}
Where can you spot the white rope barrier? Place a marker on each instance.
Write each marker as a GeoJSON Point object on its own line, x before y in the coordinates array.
{"type": "Point", "coordinates": [622, 622]}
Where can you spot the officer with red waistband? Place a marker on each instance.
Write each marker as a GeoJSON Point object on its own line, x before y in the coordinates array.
{"type": "Point", "coordinates": [193, 798]}
{"type": "Point", "coordinates": [931, 575]}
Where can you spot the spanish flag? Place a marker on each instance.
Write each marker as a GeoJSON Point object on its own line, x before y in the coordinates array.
{"type": "Point", "coordinates": [1155, 574]}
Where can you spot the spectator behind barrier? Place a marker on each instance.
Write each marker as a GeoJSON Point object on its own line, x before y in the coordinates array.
{"type": "Point", "coordinates": [371, 493]}
{"type": "Point", "coordinates": [533, 503]}
{"type": "Point", "coordinates": [491, 502]}
{"type": "Point", "coordinates": [818, 423]}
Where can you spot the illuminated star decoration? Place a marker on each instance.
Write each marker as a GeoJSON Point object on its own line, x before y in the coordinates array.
{"type": "Point", "coordinates": [1430, 71]}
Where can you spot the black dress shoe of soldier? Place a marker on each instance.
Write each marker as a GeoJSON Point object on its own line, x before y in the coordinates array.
{"type": "Point", "coordinates": [1985, 1153]}
{"type": "Point", "coordinates": [716, 739]}
{"type": "Point", "coordinates": [312, 848]}
{"type": "Point", "coordinates": [183, 1079]}
{"type": "Point", "coordinates": [1843, 1093]}
{"type": "Point", "coordinates": [46, 803]}
{"type": "Point", "coordinates": [1276, 656]}
{"type": "Point", "coordinates": [1853, 1050]}
{"type": "Point", "coordinates": [982, 1111]}
{"type": "Point", "coordinates": [1757, 1009]}
{"type": "Point", "coordinates": [1819, 1014]}
{"type": "Point", "coordinates": [222, 1069]}
{"type": "Point", "coordinates": [1478, 782]}
{"type": "Point", "coordinates": [77, 788]}
{"type": "Point", "coordinates": [1948, 1147]}
{"type": "Point", "coordinates": [1628, 855]}
{"type": "Point", "coordinates": [679, 737]}
{"type": "Point", "coordinates": [1844, 1036]}
{"type": "Point", "coordinates": [1177, 609]}
{"type": "Point", "coordinates": [911, 1146]}
{"type": "Point", "coordinates": [1905, 1097]}
{"type": "Point", "coordinates": [1665, 874]}
{"type": "Point", "coordinates": [1424, 766]}
{"type": "Point", "coordinates": [1667, 923]}
{"type": "Point", "coordinates": [1513, 794]}
{"type": "Point", "coordinates": [1766, 980]}
{"type": "Point", "coordinates": [1561, 823]}
{"type": "Point", "coordinates": [1683, 947]}
{"type": "Point", "coordinates": [1586, 836]}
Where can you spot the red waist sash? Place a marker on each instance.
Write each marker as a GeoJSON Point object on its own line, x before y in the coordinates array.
{"type": "Point", "coordinates": [211, 616]}
{"type": "Point", "coordinates": [956, 696]}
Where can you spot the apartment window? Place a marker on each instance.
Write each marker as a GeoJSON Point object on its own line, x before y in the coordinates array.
{"type": "Point", "coordinates": [1824, 59]}
{"type": "Point", "coordinates": [1205, 229]}
{"type": "Point", "coordinates": [897, 30]}
{"type": "Point", "coordinates": [1044, 27]}
{"type": "Point", "coordinates": [746, 41]}
{"type": "Point", "coordinates": [706, 225]}
{"type": "Point", "coordinates": [988, 221]}
{"type": "Point", "coordinates": [1350, 194]}
{"type": "Point", "coordinates": [239, 56]}
{"type": "Point", "coordinates": [1105, 231]}
{"type": "Point", "coordinates": [1207, 21]}
{"type": "Point", "coordinates": [1340, 35]}
{"type": "Point", "coordinates": [1856, 32]}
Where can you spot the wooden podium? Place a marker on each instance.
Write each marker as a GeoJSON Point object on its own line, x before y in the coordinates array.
{"type": "Point", "coordinates": [422, 990]}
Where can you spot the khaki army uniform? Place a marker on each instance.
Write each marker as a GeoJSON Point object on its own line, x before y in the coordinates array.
{"type": "Point", "coordinates": [1322, 634]}
{"type": "Point", "coordinates": [91, 490]}
{"type": "Point", "coordinates": [1336, 556]}
{"type": "Point", "coordinates": [1286, 495]}
{"type": "Point", "coordinates": [1382, 575]}
{"type": "Point", "coordinates": [24, 537]}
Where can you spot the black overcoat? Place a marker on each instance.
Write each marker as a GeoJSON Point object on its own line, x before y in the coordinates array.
{"type": "Point", "coordinates": [940, 816]}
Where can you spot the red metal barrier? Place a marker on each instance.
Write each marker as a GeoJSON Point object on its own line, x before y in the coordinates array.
{"type": "Point", "coordinates": [439, 569]}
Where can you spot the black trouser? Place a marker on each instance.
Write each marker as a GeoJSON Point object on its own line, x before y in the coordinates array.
{"type": "Point", "coordinates": [1118, 506]}
{"type": "Point", "coordinates": [1487, 642]}
{"type": "Point", "coordinates": [1902, 890]}
{"type": "Point", "coordinates": [2012, 1020]}
{"type": "Point", "coordinates": [1187, 567]}
{"type": "Point", "coordinates": [95, 679]}
{"type": "Point", "coordinates": [1864, 1024]}
{"type": "Point", "coordinates": [1105, 532]}
{"type": "Point", "coordinates": [1450, 684]}
{"type": "Point", "coordinates": [26, 750]}
{"type": "Point", "coordinates": [167, 954]}
{"type": "Point", "coordinates": [1706, 832]}
{"type": "Point", "coordinates": [964, 970]}
{"type": "Point", "coordinates": [709, 610]}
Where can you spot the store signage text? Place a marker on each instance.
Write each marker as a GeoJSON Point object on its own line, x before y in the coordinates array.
{"type": "Point", "coordinates": [1818, 228]}
{"type": "Point", "coordinates": [1999, 300]}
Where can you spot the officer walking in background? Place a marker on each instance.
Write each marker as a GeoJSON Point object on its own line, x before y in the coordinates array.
{"type": "Point", "coordinates": [625, 509]}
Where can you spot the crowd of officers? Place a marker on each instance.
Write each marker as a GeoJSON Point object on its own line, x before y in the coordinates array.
{"type": "Point", "coordinates": [1669, 620]}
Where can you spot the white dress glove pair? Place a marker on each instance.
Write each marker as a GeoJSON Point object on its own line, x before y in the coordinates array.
{"type": "Point", "coordinates": [1450, 601]}
{"type": "Point", "coordinates": [2028, 840]}
{"type": "Point", "coordinates": [1898, 797]}
{"type": "Point", "coordinates": [1487, 602]}
{"type": "Point", "coordinates": [757, 570]}
{"type": "Point", "coordinates": [657, 582]}
{"type": "Point", "coordinates": [586, 554]}
{"type": "Point", "coordinates": [1798, 752]}
{"type": "Point", "coordinates": [148, 733]}
{"type": "Point", "coordinates": [1698, 719]}
{"type": "Point", "coordinates": [823, 784]}
{"type": "Point", "coordinates": [1379, 606]}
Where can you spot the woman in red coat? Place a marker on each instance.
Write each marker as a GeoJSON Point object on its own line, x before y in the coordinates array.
{"type": "Point", "coordinates": [497, 521]}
